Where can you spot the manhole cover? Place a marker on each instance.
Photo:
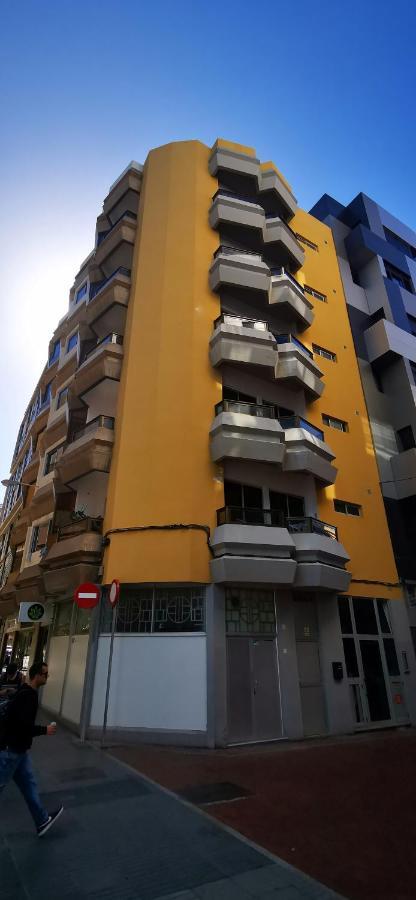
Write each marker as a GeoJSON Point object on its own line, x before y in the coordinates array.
{"type": "Point", "coordinates": [84, 773]}
{"type": "Point", "coordinates": [222, 792]}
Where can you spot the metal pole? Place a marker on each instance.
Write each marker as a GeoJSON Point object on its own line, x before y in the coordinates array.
{"type": "Point", "coordinates": [110, 663]}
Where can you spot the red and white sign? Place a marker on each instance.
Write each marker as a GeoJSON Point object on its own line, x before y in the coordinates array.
{"type": "Point", "coordinates": [87, 595]}
{"type": "Point", "coordinates": [114, 594]}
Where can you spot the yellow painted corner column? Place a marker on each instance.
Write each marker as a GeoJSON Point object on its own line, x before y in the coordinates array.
{"type": "Point", "coordinates": [161, 472]}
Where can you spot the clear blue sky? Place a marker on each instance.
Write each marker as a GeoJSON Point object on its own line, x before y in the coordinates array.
{"type": "Point", "coordinates": [325, 90]}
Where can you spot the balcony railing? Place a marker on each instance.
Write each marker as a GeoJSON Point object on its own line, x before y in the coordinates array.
{"type": "Point", "coordinates": [240, 515]}
{"type": "Point", "coordinates": [241, 321]}
{"type": "Point", "coordinates": [97, 286]}
{"type": "Point", "coordinates": [225, 192]}
{"type": "Point", "coordinates": [90, 427]}
{"type": "Point", "coordinates": [233, 251]}
{"type": "Point", "coordinates": [280, 271]}
{"type": "Point", "coordinates": [262, 410]}
{"type": "Point", "coordinates": [103, 234]}
{"type": "Point", "coordinates": [108, 339]}
{"type": "Point", "coordinates": [291, 339]}
{"type": "Point", "coordinates": [79, 526]}
{"type": "Point", "coordinates": [300, 422]}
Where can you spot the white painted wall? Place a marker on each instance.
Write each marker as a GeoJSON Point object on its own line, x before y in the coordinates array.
{"type": "Point", "coordinates": [74, 685]}
{"type": "Point", "coordinates": [52, 692]}
{"type": "Point", "coordinates": [158, 682]}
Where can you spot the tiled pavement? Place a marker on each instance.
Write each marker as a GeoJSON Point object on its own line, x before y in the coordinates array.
{"type": "Point", "coordinates": [123, 838]}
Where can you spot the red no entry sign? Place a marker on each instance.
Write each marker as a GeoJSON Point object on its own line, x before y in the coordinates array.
{"type": "Point", "coordinates": [114, 593]}
{"type": "Point", "coordinates": [87, 595]}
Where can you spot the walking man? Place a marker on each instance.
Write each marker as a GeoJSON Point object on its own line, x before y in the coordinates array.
{"type": "Point", "coordinates": [15, 741]}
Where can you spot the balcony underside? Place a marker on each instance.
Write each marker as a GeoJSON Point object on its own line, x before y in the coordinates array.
{"type": "Point", "coordinates": [60, 583]}
{"type": "Point", "coordinates": [239, 436]}
{"type": "Point", "coordinates": [108, 309]}
{"type": "Point", "coordinates": [242, 272]}
{"type": "Point", "coordinates": [296, 368]}
{"type": "Point", "coordinates": [291, 303]}
{"type": "Point", "coordinates": [90, 453]}
{"type": "Point", "coordinates": [244, 346]}
{"type": "Point", "coordinates": [275, 194]}
{"type": "Point", "coordinates": [104, 363]}
{"type": "Point", "coordinates": [29, 584]}
{"type": "Point", "coordinates": [305, 453]}
{"type": "Point", "coordinates": [116, 249]}
{"type": "Point", "coordinates": [282, 246]}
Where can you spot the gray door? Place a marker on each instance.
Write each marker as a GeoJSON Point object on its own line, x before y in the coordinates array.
{"type": "Point", "coordinates": [309, 668]}
{"type": "Point", "coordinates": [253, 690]}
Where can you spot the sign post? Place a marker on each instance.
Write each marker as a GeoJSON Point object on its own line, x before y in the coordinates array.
{"type": "Point", "coordinates": [113, 597]}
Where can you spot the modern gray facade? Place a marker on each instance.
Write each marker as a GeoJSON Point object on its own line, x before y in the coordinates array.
{"type": "Point", "coordinates": [377, 259]}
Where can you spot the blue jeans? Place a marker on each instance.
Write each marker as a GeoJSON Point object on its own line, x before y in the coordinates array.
{"type": "Point", "coordinates": [18, 766]}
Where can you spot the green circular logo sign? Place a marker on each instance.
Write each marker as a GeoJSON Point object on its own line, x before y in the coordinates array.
{"type": "Point", "coordinates": [35, 612]}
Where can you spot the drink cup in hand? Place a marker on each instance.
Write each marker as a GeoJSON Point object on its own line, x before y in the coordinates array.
{"type": "Point", "coordinates": [51, 728]}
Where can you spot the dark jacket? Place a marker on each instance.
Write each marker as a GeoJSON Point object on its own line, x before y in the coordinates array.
{"type": "Point", "coordinates": [20, 726]}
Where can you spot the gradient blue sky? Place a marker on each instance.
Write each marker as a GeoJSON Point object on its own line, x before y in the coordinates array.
{"type": "Point", "coordinates": [325, 90]}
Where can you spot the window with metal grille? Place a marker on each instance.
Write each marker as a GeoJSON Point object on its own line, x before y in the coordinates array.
{"type": "Point", "coordinates": [321, 351]}
{"type": "Point", "coordinates": [306, 241]}
{"type": "Point", "coordinates": [249, 611]}
{"type": "Point", "coordinates": [39, 537]}
{"type": "Point", "coordinates": [52, 457]}
{"type": "Point", "coordinates": [332, 422]}
{"type": "Point", "coordinates": [155, 610]}
{"type": "Point", "coordinates": [314, 293]}
{"type": "Point", "coordinates": [348, 509]}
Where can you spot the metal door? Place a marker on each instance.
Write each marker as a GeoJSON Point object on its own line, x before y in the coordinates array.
{"type": "Point", "coordinates": [309, 668]}
{"type": "Point", "coordinates": [253, 690]}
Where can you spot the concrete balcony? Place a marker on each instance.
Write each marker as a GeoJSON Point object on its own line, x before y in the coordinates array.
{"type": "Point", "coordinates": [245, 342]}
{"type": "Point", "coordinates": [290, 301]}
{"type": "Point", "coordinates": [57, 425]}
{"type": "Point", "coordinates": [108, 301]}
{"type": "Point", "coordinates": [43, 500]}
{"type": "Point", "coordinates": [124, 192]}
{"type": "Point", "coordinates": [385, 341]}
{"type": "Point", "coordinates": [29, 584]}
{"type": "Point", "coordinates": [227, 160]}
{"type": "Point", "coordinates": [246, 431]}
{"type": "Point", "coordinates": [321, 559]}
{"type": "Point", "coordinates": [89, 450]}
{"type": "Point", "coordinates": [306, 450]}
{"type": "Point", "coordinates": [404, 472]}
{"type": "Point", "coordinates": [276, 194]}
{"type": "Point", "coordinates": [234, 214]}
{"type": "Point", "coordinates": [239, 270]}
{"type": "Point", "coordinates": [281, 244]}
{"type": "Point", "coordinates": [115, 246]}
{"type": "Point", "coordinates": [74, 558]}
{"type": "Point", "coordinates": [249, 551]}
{"type": "Point", "coordinates": [30, 473]}
{"type": "Point", "coordinates": [101, 362]}
{"type": "Point", "coordinates": [296, 366]}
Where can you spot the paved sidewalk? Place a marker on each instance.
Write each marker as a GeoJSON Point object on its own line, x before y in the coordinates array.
{"type": "Point", "coordinates": [123, 838]}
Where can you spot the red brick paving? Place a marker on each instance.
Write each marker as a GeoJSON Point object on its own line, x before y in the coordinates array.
{"type": "Point", "coordinates": [343, 810]}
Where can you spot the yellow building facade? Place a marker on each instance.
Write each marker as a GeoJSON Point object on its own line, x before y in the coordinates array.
{"type": "Point", "coordinates": [208, 446]}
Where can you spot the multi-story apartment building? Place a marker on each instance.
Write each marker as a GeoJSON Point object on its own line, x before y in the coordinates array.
{"type": "Point", "coordinates": [200, 434]}
{"type": "Point", "coordinates": [377, 259]}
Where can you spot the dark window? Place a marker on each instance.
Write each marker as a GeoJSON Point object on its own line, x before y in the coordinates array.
{"type": "Point", "coordinates": [230, 394]}
{"type": "Point", "coordinates": [54, 355]}
{"type": "Point", "coordinates": [62, 397]}
{"type": "Point", "coordinates": [399, 277]}
{"type": "Point", "coordinates": [332, 422]}
{"type": "Point", "coordinates": [321, 351]}
{"type": "Point", "coordinates": [306, 241]}
{"type": "Point", "coordinates": [247, 499]}
{"type": "Point", "coordinates": [365, 615]}
{"type": "Point", "coordinates": [391, 657]}
{"type": "Point", "coordinates": [351, 661]}
{"type": "Point", "coordinates": [288, 504]}
{"type": "Point", "coordinates": [314, 293]}
{"type": "Point", "coordinates": [345, 615]}
{"type": "Point", "coordinates": [72, 342]}
{"type": "Point", "coordinates": [157, 610]}
{"type": "Point", "coordinates": [81, 292]}
{"type": "Point", "coordinates": [348, 509]}
{"type": "Point", "coordinates": [383, 616]}
{"type": "Point", "coordinates": [46, 396]}
{"type": "Point", "coordinates": [51, 459]}
{"type": "Point", "coordinates": [39, 537]}
{"type": "Point", "coordinates": [405, 438]}
{"type": "Point", "coordinates": [400, 243]}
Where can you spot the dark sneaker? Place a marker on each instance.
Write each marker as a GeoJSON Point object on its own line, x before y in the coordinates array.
{"type": "Point", "coordinates": [50, 821]}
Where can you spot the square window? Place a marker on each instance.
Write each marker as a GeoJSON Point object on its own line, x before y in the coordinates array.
{"type": "Point", "coordinates": [81, 292]}
{"type": "Point", "coordinates": [348, 509]}
{"type": "Point", "coordinates": [62, 397]}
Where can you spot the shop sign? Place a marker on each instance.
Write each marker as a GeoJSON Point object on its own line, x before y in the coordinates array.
{"type": "Point", "coordinates": [37, 613]}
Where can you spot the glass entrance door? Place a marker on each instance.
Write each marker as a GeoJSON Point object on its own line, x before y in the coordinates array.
{"type": "Point", "coordinates": [375, 686]}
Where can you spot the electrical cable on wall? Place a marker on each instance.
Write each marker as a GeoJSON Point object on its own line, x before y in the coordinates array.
{"type": "Point", "coordinates": [171, 527]}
